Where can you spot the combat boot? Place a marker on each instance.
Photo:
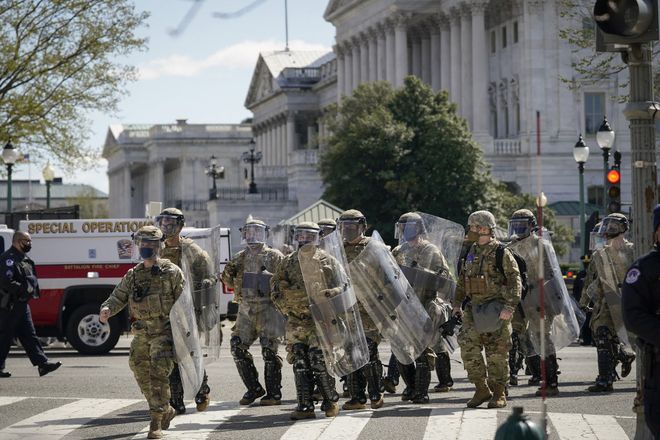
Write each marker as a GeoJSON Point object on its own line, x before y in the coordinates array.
{"type": "Point", "coordinates": [482, 394]}
{"type": "Point", "coordinates": [302, 414]}
{"type": "Point", "coordinates": [356, 385]}
{"type": "Point", "coordinates": [498, 400]}
{"type": "Point", "coordinates": [408, 376]}
{"type": "Point", "coordinates": [331, 408]}
{"type": "Point", "coordinates": [169, 414]}
{"type": "Point", "coordinates": [551, 374]}
{"type": "Point", "coordinates": [272, 377]}
{"type": "Point", "coordinates": [422, 381]}
{"type": "Point", "coordinates": [392, 379]}
{"type": "Point", "coordinates": [534, 365]}
{"type": "Point", "coordinates": [155, 426]}
{"type": "Point", "coordinates": [443, 370]}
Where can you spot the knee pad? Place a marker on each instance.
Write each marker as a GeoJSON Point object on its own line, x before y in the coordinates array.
{"type": "Point", "coordinates": [238, 351]}
{"type": "Point", "coordinates": [316, 360]}
{"type": "Point", "coordinates": [300, 356]}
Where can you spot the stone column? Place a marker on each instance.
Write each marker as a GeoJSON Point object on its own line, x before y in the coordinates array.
{"type": "Point", "coordinates": [340, 69]}
{"type": "Point", "coordinates": [373, 55]}
{"type": "Point", "coordinates": [480, 104]}
{"type": "Point", "coordinates": [426, 53]}
{"type": "Point", "coordinates": [127, 199]}
{"type": "Point", "coordinates": [466, 63]}
{"type": "Point", "coordinates": [455, 92]}
{"type": "Point", "coordinates": [400, 48]}
{"type": "Point", "coordinates": [415, 45]}
{"type": "Point", "coordinates": [348, 67]}
{"type": "Point", "coordinates": [291, 138]}
{"type": "Point", "coordinates": [364, 58]}
{"type": "Point", "coordinates": [312, 139]}
{"type": "Point", "coordinates": [355, 80]}
{"type": "Point", "coordinates": [390, 49]}
{"type": "Point", "coordinates": [435, 59]}
{"type": "Point", "coordinates": [381, 73]}
{"type": "Point", "coordinates": [156, 179]}
{"type": "Point", "coordinates": [445, 52]}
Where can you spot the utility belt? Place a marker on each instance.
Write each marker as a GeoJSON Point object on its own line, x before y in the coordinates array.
{"type": "Point", "coordinates": [476, 286]}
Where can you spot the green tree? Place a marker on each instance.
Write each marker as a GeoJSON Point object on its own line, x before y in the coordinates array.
{"type": "Point", "coordinates": [393, 151]}
{"type": "Point", "coordinates": [59, 61]}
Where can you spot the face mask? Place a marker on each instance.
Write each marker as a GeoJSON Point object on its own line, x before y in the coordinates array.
{"type": "Point", "coordinates": [27, 248]}
{"type": "Point", "coordinates": [472, 236]}
{"type": "Point", "coordinates": [147, 253]}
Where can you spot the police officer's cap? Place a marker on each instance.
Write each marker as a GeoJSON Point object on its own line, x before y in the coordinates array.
{"type": "Point", "coordinates": [482, 219]}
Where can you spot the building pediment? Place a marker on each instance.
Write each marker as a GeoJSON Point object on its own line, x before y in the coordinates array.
{"type": "Point", "coordinates": [337, 7]}
{"type": "Point", "coordinates": [261, 84]}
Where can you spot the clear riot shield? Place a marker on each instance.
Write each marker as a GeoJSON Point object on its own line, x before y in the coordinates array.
{"type": "Point", "coordinates": [562, 315]}
{"type": "Point", "coordinates": [333, 305]}
{"type": "Point", "coordinates": [259, 315]}
{"type": "Point", "coordinates": [200, 273]}
{"type": "Point", "coordinates": [390, 301]}
{"type": "Point", "coordinates": [187, 347]}
{"type": "Point", "coordinates": [425, 271]}
{"type": "Point", "coordinates": [611, 267]}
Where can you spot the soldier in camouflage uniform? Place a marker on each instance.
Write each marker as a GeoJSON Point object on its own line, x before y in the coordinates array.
{"type": "Point", "coordinates": [327, 226]}
{"type": "Point", "coordinates": [256, 316]}
{"type": "Point", "coordinates": [171, 222]}
{"type": "Point", "coordinates": [609, 263]}
{"type": "Point", "coordinates": [150, 289]}
{"type": "Point", "coordinates": [352, 226]}
{"type": "Point", "coordinates": [417, 251]}
{"type": "Point", "coordinates": [289, 295]}
{"type": "Point", "coordinates": [493, 298]}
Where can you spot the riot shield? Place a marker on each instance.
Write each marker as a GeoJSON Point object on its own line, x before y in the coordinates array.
{"type": "Point", "coordinates": [423, 267]}
{"type": "Point", "coordinates": [200, 274]}
{"type": "Point", "coordinates": [563, 317]}
{"type": "Point", "coordinates": [333, 305]}
{"type": "Point", "coordinates": [188, 351]}
{"type": "Point", "coordinates": [257, 310]}
{"type": "Point", "coordinates": [390, 301]}
{"type": "Point", "coordinates": [611, 267]}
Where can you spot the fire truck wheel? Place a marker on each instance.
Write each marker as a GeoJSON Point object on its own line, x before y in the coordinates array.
{"type": "Point", "coordinates": [86, 334]}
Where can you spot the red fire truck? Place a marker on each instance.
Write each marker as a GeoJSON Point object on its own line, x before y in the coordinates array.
{"type": "Point", "coordinates": [78, 264]}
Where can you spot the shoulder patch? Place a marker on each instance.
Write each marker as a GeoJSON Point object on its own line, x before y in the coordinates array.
{"type": "Point", "coordinates": [633, 275]}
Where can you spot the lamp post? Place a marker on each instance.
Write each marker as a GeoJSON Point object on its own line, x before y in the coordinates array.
{"type": "Point", "coordinates": [49, 175]}
{"type": "Point", "coordinates": [251, 157]}
{"type": "Point", "coordinates": [605, 139]}
{"type": "Point", "coordinates": [215, 172]}
{"type": "Point", "coordinates": [581, 154]}
{"type": "Point", "coordinates": [9, 155]}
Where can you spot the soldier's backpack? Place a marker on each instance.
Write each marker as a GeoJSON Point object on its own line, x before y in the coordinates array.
{"type": "Point", "coordinates": [522, 267]}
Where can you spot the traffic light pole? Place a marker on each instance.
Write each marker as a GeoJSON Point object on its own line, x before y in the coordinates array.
{"type": "Point", "coordinates": [642, 144]}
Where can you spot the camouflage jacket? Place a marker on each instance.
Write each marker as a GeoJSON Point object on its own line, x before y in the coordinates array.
{"type": "Point", "coordinates": [149, 293]}
{"type": "Point", "coordinates": [353, 249]}
{"type": "Point", "coordinates": [198, 262]}
{"type": "Point", "coordinates": [479, 265]}
{"type": "Point", "coordinates": [609, 270]}
{"type": "Point", "coordinates": [425, 255]}
{"type": "Point", "coordinates": [263, 259]}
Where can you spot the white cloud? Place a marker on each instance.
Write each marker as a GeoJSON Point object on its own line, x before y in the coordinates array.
{"type": "Point", "coordinates": [241, 55]}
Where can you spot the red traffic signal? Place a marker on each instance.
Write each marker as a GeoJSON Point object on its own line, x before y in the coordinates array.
{"type": "Point", "coordinates": [614, 176]}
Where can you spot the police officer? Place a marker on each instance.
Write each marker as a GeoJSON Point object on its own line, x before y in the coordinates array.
{"type": "Point", "coordinates": [18, 283]}
{"type": "Point", "coordinates": [415, 250]}
{"type": "Point", "coordinates": [493, 297]}
{"type": "Point", "coordinates": [150, 289]}
{"type": "Point", "coordinates": [289, 294]}
{"type": "Point", "coordinates": [247, 273]}
{"type": "Point", "coordinates": [641, 313]}
{"type": "Point", "coordinates": [171, 221]}
{"type": "Point", "coordinates": [352, 226]}
{"type": "Point", "coordinates": [609, 266]}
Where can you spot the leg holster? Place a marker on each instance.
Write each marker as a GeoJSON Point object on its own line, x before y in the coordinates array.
{"type": "Point", "coordinates": [245, 365]}
{"type": "Point", "coordinates": [323, 379]}
{"type": "Point", "coordinates": [607, 351]}
{"type": "Point", "coordinates": [272, 373]}
{"type": "Point", "coordinates": [443, 369]}
{"type": "Point", "coordinates": [393, 370]}
{"type": "Point", "coordinates": [302, 375]}
{"type": "Point", "coordinates": [422, 378]}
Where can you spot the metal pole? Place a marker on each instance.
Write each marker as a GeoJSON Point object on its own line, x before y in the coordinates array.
{"type": "Point", "coordinates": [606, 166]}
{"type": "Point", "coordinates": [253, 186]}
{"type": "Point", "coordinates": [47, 194]}
{"type": "Point", "coordinates": [286, 23]}
{"type": "Point", "coordinates": [583, 226]}
{"type": "Point", "coordinates": [9, 167]}
{"type": "Point", "coordinates": [642, 144]}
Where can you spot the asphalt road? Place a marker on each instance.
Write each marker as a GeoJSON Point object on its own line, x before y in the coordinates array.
{"type": "Point", "coordinates": [97, 398]}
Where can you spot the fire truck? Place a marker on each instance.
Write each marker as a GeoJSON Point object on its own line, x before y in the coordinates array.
{"type": "Point", "coordinates": [79, 262]}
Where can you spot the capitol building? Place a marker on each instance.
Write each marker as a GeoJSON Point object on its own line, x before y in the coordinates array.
{"type": "Point", "coordinates": [501, 61]}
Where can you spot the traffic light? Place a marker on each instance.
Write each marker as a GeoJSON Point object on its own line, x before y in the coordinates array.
{"type": "Point", "coordinates": [614, 186]}
{"type": "Point", "coordinates": [625, 22]}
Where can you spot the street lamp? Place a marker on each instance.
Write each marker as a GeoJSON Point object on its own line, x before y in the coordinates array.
{"type": "Point", "coordinates": [251, 157]}
{"type": "Point", "coordinates": [49, 175]}
{"type": "Point", "coordinates": [215, 172]}
{"type": "Point", "coordinates": [9, 155]}
{"type": "Point", "coordinates": [581, 154]}
{"type": "Point", "coordinates": [605, 139]}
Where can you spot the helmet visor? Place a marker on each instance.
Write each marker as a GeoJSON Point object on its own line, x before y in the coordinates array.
{"type": "Point", "coordinates": [350, 229]}
{"type": "Point", "coordinates": [519, 227]}
{"type": "Point", "coordinates": [611, 227]}
{"type": "Point", "coordinates": [170, 225]}
{"type": "Point", "coordinates": [146, 248]}
{"type": "Point", "coordinates": [306, 236]}
{"type": "Point", "coordinates": [406, 231]}
{"type": "Point", "coordinates": [253, 234]}
{"type": "Point", "coordinates": [327, 229]}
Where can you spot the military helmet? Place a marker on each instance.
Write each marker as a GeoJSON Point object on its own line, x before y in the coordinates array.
{"type": "Point", "coordinates": [353, 215]}
{"type": "Point", "coordinates": [522, 223]}
{"type": "Point", "coordinates": [614, 225]}
{"type": "Point", "coordinates": [148, 242]}
{"type": "Point", "coordinates": [327, 226]}
{"type": "Point", "coordinates": [352, 224]}
{"type": "Point", "coordinates": [484, 219]}
{"type": "Point", "coordinates": [148, 233]}
{"type": "Point", "coordinates": [170, 221]}
{"type": "Point", "coordinates": [306, 233]}
{"type": "Point", "coordinates": [409, 226]}
{"type": "Point", "coordinates": [254, 231]}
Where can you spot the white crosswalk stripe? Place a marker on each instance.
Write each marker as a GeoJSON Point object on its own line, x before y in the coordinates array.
{"type": "Point", "coordinates": [58, 422]}
{"type": "Point", "coordinates": [453, 423]}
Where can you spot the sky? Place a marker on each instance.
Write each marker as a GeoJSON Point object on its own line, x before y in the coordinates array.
{"type": "Point", "coordinates": [202, 74]}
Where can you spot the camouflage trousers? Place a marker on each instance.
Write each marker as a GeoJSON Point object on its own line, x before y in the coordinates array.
{"type": "Point", "coordinates": [151, 359]}
{"type": "Point", "coordinates": [496, 346]}
{"type": "Point", "coordinates": [300, 331]}
{"type": "Point", "coordinates": [370, 329]}
{"type": "Point", "coordinates": [251, 326]}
